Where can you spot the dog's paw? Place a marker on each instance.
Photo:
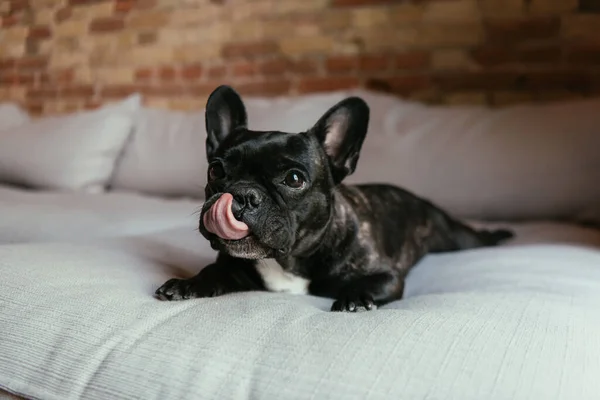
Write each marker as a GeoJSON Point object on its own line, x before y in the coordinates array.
{"type": "Point", "coordinates": [354, 303]}
{"type": "Point", "coordinates": [184, 289]}
{"type": "Point", "coordinates": [175, 289]}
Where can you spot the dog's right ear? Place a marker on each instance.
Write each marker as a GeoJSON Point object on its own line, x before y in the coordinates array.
{"type": "Point", "coordinates": [225, 112]}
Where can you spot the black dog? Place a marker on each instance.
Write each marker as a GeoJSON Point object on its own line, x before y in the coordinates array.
{"type": "Point", "coordinates": [282, 221]}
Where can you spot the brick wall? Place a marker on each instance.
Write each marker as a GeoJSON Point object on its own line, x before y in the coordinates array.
{"type": "Point", "coordinates": [61, 55]}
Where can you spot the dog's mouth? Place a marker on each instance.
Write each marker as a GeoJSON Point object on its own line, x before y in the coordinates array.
{"type": "Point", "coordinates": [220, 221]}
{"type": "Point", "coordinates": [230, 235]}
{"type": "Point", "coordinates": [249, 248]}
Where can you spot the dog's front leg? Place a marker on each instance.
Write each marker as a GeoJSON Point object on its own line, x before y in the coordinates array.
{"type": "Point", "coordinates": [362, 292]}
{"type": "Point", "coordinates": [224, 276]}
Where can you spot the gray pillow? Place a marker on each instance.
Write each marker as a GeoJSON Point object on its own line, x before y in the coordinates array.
{"type": "Point", "coordinates": [75, 152]}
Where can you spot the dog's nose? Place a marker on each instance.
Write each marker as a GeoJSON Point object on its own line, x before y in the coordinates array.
{"type": "Point", "coordinates": [247, 199]}
{"type": "Point", "coordinates": [237, 206]}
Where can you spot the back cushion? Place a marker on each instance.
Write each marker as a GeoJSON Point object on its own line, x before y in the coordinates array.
{"type": "Point", "coordinates": [520, 162]}
{"type": "Point", "coordinates": [165, 155]}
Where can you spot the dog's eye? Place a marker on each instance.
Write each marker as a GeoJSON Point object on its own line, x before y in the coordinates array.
{"type": "Point", "coordinates": [215, 172]}
{"type": "Point", "coordinates": [294, 180]}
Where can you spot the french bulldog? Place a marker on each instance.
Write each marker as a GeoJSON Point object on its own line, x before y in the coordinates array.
{"type": "Point", "coordinates": [281, 219]}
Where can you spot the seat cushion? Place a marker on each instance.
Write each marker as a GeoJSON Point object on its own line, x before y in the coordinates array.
{"type": "Point", "coordinates": [513, 322]}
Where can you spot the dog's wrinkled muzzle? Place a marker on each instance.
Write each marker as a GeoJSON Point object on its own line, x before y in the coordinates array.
{"type": "Point", "coordinates": [219, 219]}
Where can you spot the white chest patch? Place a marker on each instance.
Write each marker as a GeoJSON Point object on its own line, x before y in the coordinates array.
{"type": "Point", "coordinates": [278, 280]}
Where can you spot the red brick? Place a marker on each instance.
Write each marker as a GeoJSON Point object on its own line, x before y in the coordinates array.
{"type": "Point", "coordinates": [7, 64]}
{"type": "Point", "coordinates": [568, 79]}
{"type": "Point", "coordinates": [491, 56]}
{"type": "Point", "coordinates": [37, 78]}
{"type": "Point", "coordinates": [374, 63]}
{"type": "Point", "coordinates": [35, 108]}
{"type": "Point", "coordinates": [145, 4]}
{"type": "Point", "coordinates": [353, 3]}
{"type": "Point", "coordinates": [119, 91]}
{"type": "Point", "coordinates": [203, 89]}
{"type": "Point", "coordinates": [300, 18]}
{"type": "Point", "coordinates": [143, 74]}
{"type": "Point", "coordinates": [341, 64]}
{"type": "Point", "coordinates": [595, 78]}
{"type": "Point", "coordinates": [43, 93]}
{"type": "Point", "coordinates": [409, 84]}
{"type": "Point", "coordinates": [63, 14]}
{"type": "Point", "coordinates": [107, 24]}
{"type": "Point", "coordinates": [166, 74]}
{"type": "Point", "coordinates": [39, 32]}
{"type": "Point", "coordinates": [217, 72]}
{"type": "Point", "coordinates": [63, 76]}
{"type": "Point", "coordinates": [84, 2]}
{"type": "Point", "coordinates": [8, 79]}
{"type": "Point", "coordinates": [402, 84]}
{"type": "Point", "coordinates": [17, 78]}
{"type": "Point", "coordinates": [147, 37]}
{"type": "Point", "coordinates": [266, 88]}
{"type": "Point", "coordinates": [32, 46]}
{"type": "Point", "coordinates": [66, 76]}
{"type": "Point", "coordinates": [161, 91]}
{"type": "Point", "coordinates": [487, 80]}
{"type": "Point", "coordinates": [77, 91]}
{"type": "Point", "coordinates": [303, 67]}
{"type": "Point", "coordinates": [9, 21]}
{"type": "Point", "coordinates": [71, 107]}
{"type": "Point", "coordinates": [18, 5]}
{"type": "Point", "coordinates": [191, 72]}
{"type": "Point", "coordinates": [244, 69]}
{"type": "Point", "coordinates": [275, 67]}
{"type": "Point", "coordinates": [378, 85]}
{"type": "Point", "coordinates": [547, 54]}
{"type": "Point", "coordinates": [281, 66]}
{"type": "Point", "coordinates": [92, 104]}
{"type": "Point", "coordinates": [326, 84]}
{"type": "Point", "coordinates": [517, 31]}
{"type": "Point", "coordinates": [583, 54]}
{"type": "Point", "coordinates": [249, 49]}
{"type": "Point", "coordinates": [39, 62]}
{"type": "Point", "coordinates": [124, 6]}
{"type": "Point", "coordinates": [411, 60]}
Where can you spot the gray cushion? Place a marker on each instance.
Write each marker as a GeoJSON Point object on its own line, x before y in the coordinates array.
{"type": "Point", "coordinates": [75, 152]}
{"type": "Point", "coordinates": [80, 320]}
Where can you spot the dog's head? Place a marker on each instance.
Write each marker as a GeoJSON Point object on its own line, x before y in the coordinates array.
{"type": "Point", "coordinates": [270, 193]}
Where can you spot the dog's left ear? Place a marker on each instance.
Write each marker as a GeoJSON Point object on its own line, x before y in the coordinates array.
{"type": "Point", "coordinates": [341, 131]}
{"type": "Point", "coordinates": [225, 112]}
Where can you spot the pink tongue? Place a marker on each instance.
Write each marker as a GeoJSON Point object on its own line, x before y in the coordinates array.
{"type": "Point", "coordinates": [219, 220]}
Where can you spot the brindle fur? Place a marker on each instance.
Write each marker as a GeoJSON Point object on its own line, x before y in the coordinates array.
{"type": "Point", "coordinates": [355, 244]}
